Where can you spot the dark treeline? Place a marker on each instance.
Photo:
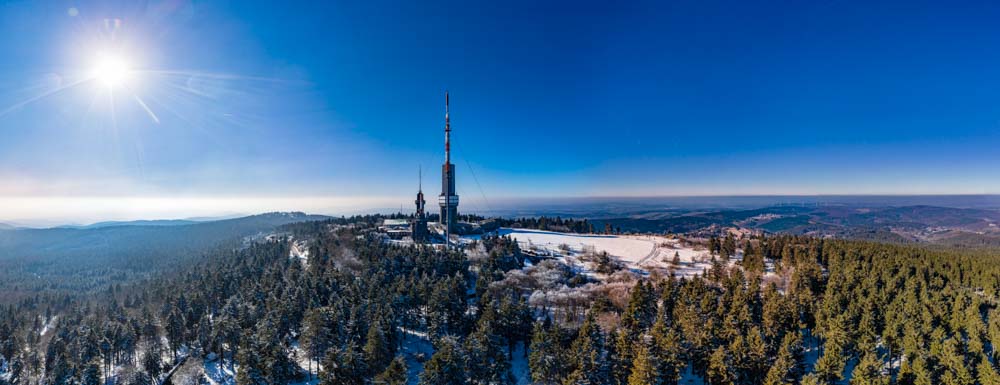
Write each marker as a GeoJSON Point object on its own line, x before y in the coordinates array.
{"type": "Point", "coordinates": [569, 225]}
{"type": "Point", "coordinates": [875, 312]}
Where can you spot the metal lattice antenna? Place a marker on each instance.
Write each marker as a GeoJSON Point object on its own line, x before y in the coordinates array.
{"type": "Point", "coordinates": [446, 218]}
{"type": "Point", "coordinates": [447, 130]}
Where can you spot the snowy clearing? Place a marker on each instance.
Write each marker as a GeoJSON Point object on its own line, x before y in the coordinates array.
{"type": "Point", "coordinates": [642, 252]}
{"type": "Point", "coordinates": [416, 349]}
{"type": "Point", "coordinates": [300, 251]}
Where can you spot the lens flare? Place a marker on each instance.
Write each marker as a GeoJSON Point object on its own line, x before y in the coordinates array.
{"type": "Point", "coordinates": [112, 70]}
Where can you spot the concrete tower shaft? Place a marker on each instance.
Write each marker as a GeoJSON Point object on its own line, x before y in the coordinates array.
{"type": "Point", "coordinates": [448, 200]}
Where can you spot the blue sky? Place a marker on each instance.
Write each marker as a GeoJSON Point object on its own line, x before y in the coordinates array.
{"type": "Point", "coordinates": [332, 106]}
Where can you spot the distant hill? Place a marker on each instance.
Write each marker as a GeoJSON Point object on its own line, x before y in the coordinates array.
{"type": "Point", "coordinates": [4, 226]}
{"type": "Point", "coordinates": [124, 249]}
{"type": "Point", "coordinates": [918, 223]}
{"type": "Point", "coordinates": [112, 238]}
{"type": "Point", "coordinates": [967, 239]}
{"type": "Point", "coordinates": [158, 222]}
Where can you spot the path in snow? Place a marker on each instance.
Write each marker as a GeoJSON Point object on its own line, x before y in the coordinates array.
{"type": "Point", "coordinates": [299, 250]}
{"type": "Point", "coordinates": [48, 325]}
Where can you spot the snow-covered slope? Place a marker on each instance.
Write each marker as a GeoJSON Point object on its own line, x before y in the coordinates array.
{"type": "Point", "coordinates": [642, 252]}
{"type": "Point", "coordinates": [621, 247]}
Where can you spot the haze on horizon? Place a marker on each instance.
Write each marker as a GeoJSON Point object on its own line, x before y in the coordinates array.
{"type": "Point", "coordinates": [171, 109]}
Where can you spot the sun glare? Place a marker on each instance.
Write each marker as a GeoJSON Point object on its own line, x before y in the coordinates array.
{"type": "Point", "coordinates": [112, 70]}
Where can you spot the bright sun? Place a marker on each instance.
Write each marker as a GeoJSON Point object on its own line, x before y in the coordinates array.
{"type": "Point", "coordinates": [112, 70]}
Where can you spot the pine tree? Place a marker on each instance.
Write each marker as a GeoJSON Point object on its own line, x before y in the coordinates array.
{"type": "Point", "coordinates": [778, 315]}
{"type": "Point", "coordinates": [91, 374]}
{"type": "Point", "coordinates": [917, 372]}
{"type": "Point", "coordinates": [993, 332]}
{"type": "Point", "coordinates": [641, 310]}
{"type": "Point", "coordinates": [815, 379]}
{"type": "Point", "coordinates": [644, 370]}
{"type": "Point", "coordinates": [175, 330]}
{"type": "Point", "coordinates": [486, 360]}
{"type": "Point", "coordinates": [250, 371]}
{"type": "Point", "coordinates": [953, 359]}
{"type": "Point", "coordinates": [786, 367]}
{"type": "Point", "coordinates": [317, 337]}
{"type": "Point", "coordinates": [546, 358]}
{"type": "Point", "coordinates": [394, 374]}
{"type": "Point", "coordinates": [657, 359]}
{"type": "Point", "coordinates": [447, 306]}
{"type": "Point", "coordinates": [753, 362]}
{"type": "Point", "coordinates": [15, 369]}
{"type": "Point", "coordinates": [151, 361]}
{"type": "Point", "coordinates": [276, 366]}
{"type": "Point", "coordinates": [714, 245]}
{"type": "Point", "coordinates": [830, 366]}
{"type": "Point", "coordinates": [987, 373]}
{"type": "Point", "coordinates": [344, 366]}
{"type": "Point", "coordinates": [869, 371]}
{"type": "Point", "coordinates": [667, 351]}
{"type": "Point", "coordinates": [728, 246]}
{"type": "Point", "coordinates": [205, 335]}
{"type": "Point", "coordinates": [719, 371]}
{"type": "Point", "coordinates": [589, 355]}
{"type": "Point", "coordinates": [377, 351]}
{"type": "Point", "coordinates": [620, 356]}
{"type": "Point", "coordinates": [446, 366]}
{"type": "Point", "coordinates": [638, 316]}
{"type": "Point", "coordinates": [514, 322]}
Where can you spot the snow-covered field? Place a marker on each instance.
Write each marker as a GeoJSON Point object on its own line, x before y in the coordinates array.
{"type": "Point", "coordinates": [644, 252]}
{"type": "Point", "coordinates": [621, 247]}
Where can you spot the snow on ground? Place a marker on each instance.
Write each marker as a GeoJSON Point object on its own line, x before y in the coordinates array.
{"type": "Point", "coordinates": [637, 252]}
{"type": "Point", "coordinates": [812, 349]}
{"type": "Point", "coordinates": [220, 372]}
{"type": "Point", "coordinates": [5, 372]}
{"type": "Point", "coordinates": [417, 348]}
{"type": "Point", "coordinates": [310, 369]}
{"type": "Point", "coordinates": [643, 252]}
{"type": "Point", "coordinates": [48, 325]}
{"type": "Point", "coordinates": [519, 366]}
{"type": "Point", "coordinates": [627, 249]}
{"type": "Point", "coordinates": [300, 250]}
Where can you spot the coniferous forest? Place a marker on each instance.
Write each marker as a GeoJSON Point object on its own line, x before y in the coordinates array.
{"type": "Point", "coordinates": [354, 309]}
